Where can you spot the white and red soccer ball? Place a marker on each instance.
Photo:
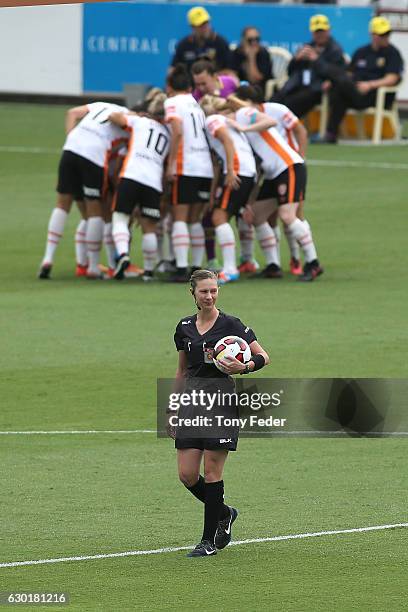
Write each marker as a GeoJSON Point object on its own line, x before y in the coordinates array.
{"type": "Point", "coordinates": [231, 346]}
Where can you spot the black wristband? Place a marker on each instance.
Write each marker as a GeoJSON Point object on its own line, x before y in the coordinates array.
{"type": "Point", "coordinates": [259, 362]}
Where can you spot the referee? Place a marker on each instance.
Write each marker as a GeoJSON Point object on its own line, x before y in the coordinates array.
{"type": "Point", "coordinates": [195, 339]}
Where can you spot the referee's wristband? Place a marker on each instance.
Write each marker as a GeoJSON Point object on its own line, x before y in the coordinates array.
{"type": "Point", "coordinates": [259, 362]}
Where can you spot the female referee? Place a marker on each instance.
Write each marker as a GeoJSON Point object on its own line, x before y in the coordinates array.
{"type": "Point", "coordinates": [195, 338]}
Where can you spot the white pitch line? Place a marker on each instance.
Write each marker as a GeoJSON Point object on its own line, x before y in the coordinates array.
{"type": "Point", "coordinates": [156, 551]}
{"type": "Point", "coordinates": [16, 149]}
{"type": "Point", "coordinates": [356, 164]}
{"type": "Point", "coordinates": [308, 432]}
{"type": "Point", "coordinates": [311, 162]}
{"type": "Point", "coordinates": [77, 431]}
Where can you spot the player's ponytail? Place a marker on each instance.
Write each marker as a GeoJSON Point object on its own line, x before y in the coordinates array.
{"type": "Point", "coordinates": [198, 276]}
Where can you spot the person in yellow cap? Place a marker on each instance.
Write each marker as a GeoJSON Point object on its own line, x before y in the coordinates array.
{"type": "Point", "coordinates": [375, 65]}
{"type": "Point", "coordinates": [308, 68]}
{"type": "Point", "coordinates": [202, 42]}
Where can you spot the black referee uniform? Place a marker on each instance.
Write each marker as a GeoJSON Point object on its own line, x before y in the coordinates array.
{"type": "Point", "coordinates": [203, 374]}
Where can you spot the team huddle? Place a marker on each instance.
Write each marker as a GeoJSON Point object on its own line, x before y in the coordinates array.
{"type": "Point", "coordinates": [182, 169]}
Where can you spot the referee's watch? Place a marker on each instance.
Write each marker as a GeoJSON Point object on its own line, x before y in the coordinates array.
{"type": "Point", "coordinates": [246, 370]}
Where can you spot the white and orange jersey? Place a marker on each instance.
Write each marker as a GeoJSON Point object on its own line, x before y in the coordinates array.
{"type": "Point", "coordinates": [286, 121]}
{"type": "Point", "coordinates": [275, 153]}
{"type": "Point", "coordinates": [244, 161]}
{"type": "Point", "coordinates": [147, 150]}
{"type": "Point", "coordinates": [95, 135]}
{"type": "Point", "coordinates": [193, 157]}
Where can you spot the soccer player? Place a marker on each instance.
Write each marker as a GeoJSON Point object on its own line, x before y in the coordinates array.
{"type": "Point", "coordinates": [90, 138]}
{"type": "Point", "coordinates": [207, 81]}
{"type": "Point", "coordinates": [141, 183]}
{"type": "Point", "coordinates": [294, 132]}
{"type": "Point", "coordinates": [189, 170]}
{"type": "Point", "coordinates": [238, 169]}
{"type": "Point", "coordinates": [195, 339]}
{"type": "Point", "coordinates": [285, 181]}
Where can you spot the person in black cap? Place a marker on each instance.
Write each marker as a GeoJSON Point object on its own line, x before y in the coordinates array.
{"type": "Point", "coordinates": [203, 42]}
{"type": "Point", "coordinates": [378, 64]}
{"type": "Point", "coordinates": [308, 69]}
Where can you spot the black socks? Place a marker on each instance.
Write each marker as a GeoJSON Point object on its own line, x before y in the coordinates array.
{"type": "Point", "coordinates": [198, 490]}
{"type": "Point", "coordinates": [214, 496]}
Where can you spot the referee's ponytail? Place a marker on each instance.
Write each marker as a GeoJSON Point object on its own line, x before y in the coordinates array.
{"type": "Point", "coordinates": [197, 276]}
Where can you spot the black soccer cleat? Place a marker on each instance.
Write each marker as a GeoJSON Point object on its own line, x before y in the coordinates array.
{"type": "Point", "coordinates": [122, 265]}
{"type": "Point", "coordinates": [311, 271]}
{"type": "Point", "coordinates": [271, 271]}
{"type": "Point", "coordinates": [203, 549]}
{"type": "Point", "coordinates": [147, 276]}
{"type": "Point", "coordinates": [181, 275]}
{"type": "Point", "coordinates": [223, 535]}
{"type": "Point", "coordinates": [45, 271]}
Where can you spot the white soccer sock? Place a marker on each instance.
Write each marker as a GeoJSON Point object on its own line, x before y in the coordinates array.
{"type": "Point", "coordinates": [292, 243]}
{"type": "Point", "coordinates": [149, 249]}
{"type": "Point", "coordinates": [109, 245]}
{"type": "Point", "coordinates": [56, 226]}
{"type": "Point", "coordinates": [160, 239]}
{"type": "Point", "coordinates": [277, 232]}
{"type": "Point", "coordinates": [246, 238]}
{"type": "Point", "coordinates": [267, 240]}
{"type": "Point", "coordinates": [181, 242]}
{"type": "Point", "coordinates": [168, 253]}
{"type": "Point", "coordinates": [120, 232]}
{"type": "Point", "coordinates": [226, 240]}
{"type": "Point", "coordinates": [94, 236]}
{"type": "Point", "coordinates": [197, 237]}
{"type": "Point", "coordinates": [300, 231]}
{"type": "Point", "coordinates": [80, 244]}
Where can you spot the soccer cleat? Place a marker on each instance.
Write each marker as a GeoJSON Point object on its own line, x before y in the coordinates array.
{"type": "Point", "coordinates": [45, 271]}
{"type": "Point", "coordinates": [203, 549]}
{"type": "Point", "coordinates": [95, 275]}
{"type": "Point", "coordinates": [133, 271]}
{"type": "Point", "coordinates": [223, 534]}
{"type": "Point", "coordinates": [147, 276]}
{"type": "Point", "coordinates": [181, 275]}
{"type": "Point", "coordinates": [227, 277]}
{"type": "Point", "coordinates": [311, 271]}
{"type": "Point", "coordinates": [247, 267]}
{"type": "Point", "coordinates": [271, 271]}
{"type": "Point", "coordinates": [295, 267]}
{"type": "Point", "coordinates": [213, 265]}
{"type": "Point", "coordinates": [122, 265]}
{"type": "Point", "coordinates": [80, 270]}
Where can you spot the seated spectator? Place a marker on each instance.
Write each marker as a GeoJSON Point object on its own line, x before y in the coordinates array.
{"type": "Point", "coordinates": [251, 60]}
{"type": "Point", "coordinates": [206, 81]}
{"type": "Point", "coordinates": [203, 42]}
{"type": "Point", "coordinates": [378, 64]}
{"type": "Point", "coordinates": [308, 69]}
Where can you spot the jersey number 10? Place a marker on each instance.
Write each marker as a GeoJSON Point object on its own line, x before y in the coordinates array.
{"type": "Point", "coordinates": [160, 144]}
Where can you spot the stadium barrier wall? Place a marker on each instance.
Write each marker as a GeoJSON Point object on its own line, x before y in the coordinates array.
{"type": "Point", "coordinates": [134, 42]}
{"type": "Point", "coordinates": [97, 48]}
{"type": "Point", "coordinates": [41, 49]}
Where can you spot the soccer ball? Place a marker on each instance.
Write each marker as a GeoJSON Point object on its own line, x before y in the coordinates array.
{"type": "Point", "coordinates": [231, 346]}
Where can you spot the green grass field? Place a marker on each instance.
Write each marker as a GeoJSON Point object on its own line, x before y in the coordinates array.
{"type": "Point", "coordinates": [80, 355]}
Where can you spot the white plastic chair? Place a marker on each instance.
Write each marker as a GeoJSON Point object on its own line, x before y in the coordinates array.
{"type": "Point", "coordinates": [280, 58]}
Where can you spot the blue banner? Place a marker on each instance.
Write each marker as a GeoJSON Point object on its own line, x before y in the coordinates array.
{"type": "Point", "coordinates": [134, 42]}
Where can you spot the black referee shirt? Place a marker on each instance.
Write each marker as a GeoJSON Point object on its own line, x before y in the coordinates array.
{"type": "Point", "coordinates": [215, 48]}
{"type": "Point", "coordinates": [199, 348]}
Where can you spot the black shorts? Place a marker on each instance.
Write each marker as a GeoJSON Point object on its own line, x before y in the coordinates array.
{"type": "Point", "coordinates": [287, 188]}
{"type": "Point", "coordinates": [80, 177]}
{"type": "Point", "coordinates": [131, 194]}
{"type": "Point", "coordinates": [229, 444]}
{"type": "Point", "coordinates": [191, 190]}
{"type": "Point", "coordinates": [233, 200]}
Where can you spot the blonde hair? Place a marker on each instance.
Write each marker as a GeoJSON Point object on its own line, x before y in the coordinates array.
{"type": "Point", "coordinates": [156, 105]}
{"type": "Point", "coordinates": [213, 104]}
